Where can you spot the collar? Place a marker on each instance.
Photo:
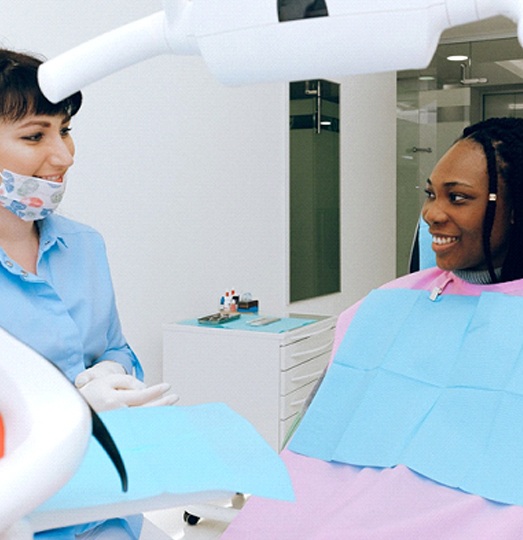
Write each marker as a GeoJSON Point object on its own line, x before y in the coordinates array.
{"type": "Point", "coordinates": [477, 277]}
{"type": "Point", "coordinates": [49, 232]}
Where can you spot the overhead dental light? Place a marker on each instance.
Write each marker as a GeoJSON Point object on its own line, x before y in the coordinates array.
{"type": "Point", "coordinates": [258, 41]}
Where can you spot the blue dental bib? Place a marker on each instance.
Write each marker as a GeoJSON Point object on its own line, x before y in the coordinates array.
{"type": "Point", "coordinates": [436, 386]}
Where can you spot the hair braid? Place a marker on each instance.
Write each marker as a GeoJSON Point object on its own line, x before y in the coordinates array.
{"type": "Point", "coordinates": [502, 142]}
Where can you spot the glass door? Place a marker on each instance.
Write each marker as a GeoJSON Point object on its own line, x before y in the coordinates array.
{"type": "Point", "coordinates": [314, 189]}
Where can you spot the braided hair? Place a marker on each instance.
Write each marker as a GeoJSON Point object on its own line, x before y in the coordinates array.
{"type": "Point", "coordinates": [502, 143]}
{"type": "Point", "coordinates": [20, 94]}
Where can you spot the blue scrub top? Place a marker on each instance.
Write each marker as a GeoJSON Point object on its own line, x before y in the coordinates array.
{"type": "Point", "coordinates": [67, 312]}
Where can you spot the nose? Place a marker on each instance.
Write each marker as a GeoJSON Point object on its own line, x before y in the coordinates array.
{"type": "Point", "coordinates": [61, 153]}
{"type": "Point", "coordinates": [433, 213]}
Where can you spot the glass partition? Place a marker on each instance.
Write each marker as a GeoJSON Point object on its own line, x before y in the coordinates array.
{"type": "Point", "coordinates": [314, 189]}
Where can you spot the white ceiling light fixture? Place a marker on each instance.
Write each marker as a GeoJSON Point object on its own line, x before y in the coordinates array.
{"type": "Point", "coordinates": [457, 58]}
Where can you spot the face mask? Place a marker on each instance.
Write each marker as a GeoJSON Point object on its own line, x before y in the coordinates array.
{"type": "Point", "coordinates": [28, 197]}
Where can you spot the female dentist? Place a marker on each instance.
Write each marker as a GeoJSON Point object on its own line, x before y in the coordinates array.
{"type": "Point", "coordinates": [57, 294]}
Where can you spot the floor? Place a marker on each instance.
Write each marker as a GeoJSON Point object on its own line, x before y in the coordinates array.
{"type": "Point", "coordinates": [170, 524]}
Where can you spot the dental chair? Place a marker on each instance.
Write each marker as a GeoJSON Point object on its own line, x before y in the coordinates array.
{"type": "Point", "coordinates": [421, 257]}
{"type": "Point", "coordinates": [46, 429]}
{"type": "Point", "coordinates": [174, 456]}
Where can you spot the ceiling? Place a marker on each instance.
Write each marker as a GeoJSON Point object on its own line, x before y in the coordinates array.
{"type": "Point", "coordinates": [491, 45]}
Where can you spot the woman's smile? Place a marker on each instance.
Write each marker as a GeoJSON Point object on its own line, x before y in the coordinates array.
{"type": "Point", "coordinates": [444, 240]}
{"type": "Point", "coordinates": [55, 178]}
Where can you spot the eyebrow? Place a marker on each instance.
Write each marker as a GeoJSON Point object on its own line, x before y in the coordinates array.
{"type": "Point", "coordinates": [452, 183]}
{"type": "Point", "coordinates": [35, 123]}
{"type": "Point", "coordinates": [43, 123]}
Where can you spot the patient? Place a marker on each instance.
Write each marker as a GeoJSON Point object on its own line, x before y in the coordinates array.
{"type": "Point", "coordinates": [57, 294]}
{"type": "Point", "coordinates": [474, 209]}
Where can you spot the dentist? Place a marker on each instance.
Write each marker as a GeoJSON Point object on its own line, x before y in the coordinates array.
{"type": "Point", "coordinates": [57, 295]}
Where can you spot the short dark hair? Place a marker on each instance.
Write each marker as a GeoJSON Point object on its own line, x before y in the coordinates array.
{"type": "Point", "coordinates": [20, 93]}
{"type": "Point", "coordinates": [502, 143]}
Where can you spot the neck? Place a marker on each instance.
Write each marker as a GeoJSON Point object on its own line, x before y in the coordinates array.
{"type": "Point", "coordinates": [13, 229]}
{"type": "Point", "coordinates": [476, 277]}
{"type": "Point", "coordinates": [19, 240]}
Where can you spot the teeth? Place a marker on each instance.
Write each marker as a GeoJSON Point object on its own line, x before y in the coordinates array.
{"type": "Point", "coordinates": [442, 240]}
{"type": "Point", "coordinates": [51, 178]}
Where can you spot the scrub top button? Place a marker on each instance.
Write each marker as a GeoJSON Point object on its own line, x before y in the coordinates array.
{"type": "Point", "coordinates": [8, 263]}
{"type": "Point", "coordinates": [24, 273]}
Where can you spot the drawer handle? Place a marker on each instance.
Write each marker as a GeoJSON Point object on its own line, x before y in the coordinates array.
{"type": "Point", "coordinates": [312, 334]}
{"type": "Point", "coordinates": [299, 402]}
{"type": "Point", "coordinates": [310, 376]}
{"type": "Point", "coordinates": [310, 352]}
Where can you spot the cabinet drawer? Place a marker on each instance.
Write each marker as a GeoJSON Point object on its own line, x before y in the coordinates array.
{"type": "Point", "coordinates": [310, 347]}
{"type": "Point", "coordinates": [293, 403]}
{"type": "Point", "coordinates": [303, 374]}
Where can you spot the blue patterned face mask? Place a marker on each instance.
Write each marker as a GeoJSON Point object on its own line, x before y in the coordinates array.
{"type": "Point", "coordinates": [28, 197]}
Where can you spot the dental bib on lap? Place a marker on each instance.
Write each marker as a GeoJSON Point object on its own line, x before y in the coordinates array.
{"type": "Point", "coordinates": [436, 386]}
{"type": "Point", "coordinates": [28, 197]}
{"type": "Point", "coordinates": [172, 454]}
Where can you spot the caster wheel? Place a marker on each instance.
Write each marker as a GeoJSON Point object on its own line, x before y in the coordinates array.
{"type": "Point", "coordinates": [190, 519]}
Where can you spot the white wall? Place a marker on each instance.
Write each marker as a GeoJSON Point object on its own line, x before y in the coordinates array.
{"type": "Point", "coordinates": [187, 179]}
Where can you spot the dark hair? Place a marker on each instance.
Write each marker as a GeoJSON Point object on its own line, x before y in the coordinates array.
{"type": "Point", "coordinates": [502, 143]}
{"type": "Point", "coordinates": [20, 94]}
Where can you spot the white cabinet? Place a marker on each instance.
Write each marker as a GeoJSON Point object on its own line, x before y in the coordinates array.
{"type": "Point", "coordinates": [265, 376]}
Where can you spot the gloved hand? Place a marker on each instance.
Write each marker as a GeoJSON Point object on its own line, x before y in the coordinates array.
{"type": "Point", "coordinates": [101, 369]}
{"type": "Point", "coordinates": [107, 387]}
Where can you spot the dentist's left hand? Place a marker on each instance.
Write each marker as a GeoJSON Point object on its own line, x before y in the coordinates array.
{"type": "Point", "coordinates": [101, 369]}
{"type": "Point", "coordinates": [107, 387]}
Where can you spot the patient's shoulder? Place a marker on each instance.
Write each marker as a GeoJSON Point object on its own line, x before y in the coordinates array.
{"type": "Point", "coordinates": [424, 279]}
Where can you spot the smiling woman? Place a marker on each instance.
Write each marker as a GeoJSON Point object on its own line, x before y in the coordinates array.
{"type": "Point", "coordinates": [457, 391]}
{"type": "Point", "coordinates": [57, 293]}
{"type": "Point", "coordinates": [474, 201]}
{"type": "Point", "coordinates": [36, 149]}
{"type": "Point", "coordinates": [455, 209]}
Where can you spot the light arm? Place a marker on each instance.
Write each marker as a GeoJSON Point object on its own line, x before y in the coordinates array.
{"type": "Point", "coordinates": [101, 56]}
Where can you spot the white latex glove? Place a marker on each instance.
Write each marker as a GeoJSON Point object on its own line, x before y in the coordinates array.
{"type": "Point", "coordinates": [101, 369]}
{"type": "Point", "coordinates": [116, 390]}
